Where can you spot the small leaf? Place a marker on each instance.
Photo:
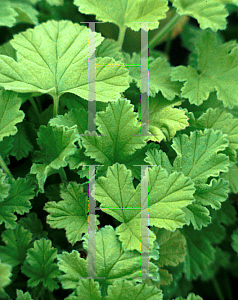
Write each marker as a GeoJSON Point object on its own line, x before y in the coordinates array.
{"type": "Point", "coordinates": [39, 265]}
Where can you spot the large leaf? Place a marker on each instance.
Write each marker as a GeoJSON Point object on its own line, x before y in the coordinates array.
{"type": "Point", "coordinates": [71, 213]}
{"type": "Point", "coordinates": [120, 126]}
{"type": "Point", "coordinates": [168, 194]}
{"type": "Point", "coordinates": [53, 58]}
{"type": "Point", "coordinates": [198, 156]}
{"type": "Point", "coordinates": [112, 261]}
{"type": "Point", "coordinates": [126, 12]}
{"type": "Point", "coordinates": [217, 70]}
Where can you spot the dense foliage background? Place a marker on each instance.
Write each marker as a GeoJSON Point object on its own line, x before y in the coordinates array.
{"type": "Point", "coordinates": [44, 156]}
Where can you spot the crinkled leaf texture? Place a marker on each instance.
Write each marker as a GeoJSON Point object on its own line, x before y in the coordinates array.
{"type": "Point", "coordinates": [23, 296]}
{"type": "Point", "coordinates": [53, 58]}
{"type": "Point", "coordinates": [18, 201]}
{"type": "Point", "coordinates": [39, 265]}
{"type": "Point", "coordinates": [4, 186]}
{"type": "Point", "coordinates": [209, 14]}
{"type": "Point", "coordinates": [124, 13]}
{"type": "Point", "coordinates": [10, 113]}
{"type": "Point", "coordinates": [217, 70]}
{"type": "Point", "coordinates": [71, 213]}
{"type": "Point", "coordinates": [17, 242]}
{"type": "Point", "coordinates": [56, 144]}
{"type": "Point", "coordinates": [112, 262]}
{"type": "Point", "coordinates": [168, 194]}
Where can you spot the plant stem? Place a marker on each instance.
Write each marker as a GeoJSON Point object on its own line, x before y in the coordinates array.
{"type": "Point", "coordinates": [5, 167]}
{"type": "Point", "coordinates": [121, 36]}
{"type": "Point", "coordinates": [62, 174]}
{"type": "Point", "coordinates": [33, 103]}
{"type": "Point", "coordinates": [217, 289]}
{"type": "Point", "coordinates": [56, 106]}
{"type": "Point", "coordinates": [165, 30]}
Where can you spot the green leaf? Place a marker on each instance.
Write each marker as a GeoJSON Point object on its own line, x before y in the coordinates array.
{"type": "Point", "coordinates": [56, 143]}
{"type": "Point", "coordinates": [125, 290]}
{"type": "Point", "coordinates": [168, 194]}
{"type": "Point", "coordinates": [5, 274]}
{"type": "Point", "coordinates": [159, 76]}
{"type": "Point", "coordinates": [213, 193]}
{"type": "Point", "coordinates": [191, 296]}
{"type": "Point", "coordinates": [209, 14]}
{"type": "Point", "coordinates": [219, 119]}
{"type": "Point", "coordinates": [86, 289]}
{"type": "Point", "coordinates": [55, 2]}
{"type": "Point", "coordinates": [198, 215]}
{"type": "Point", "coordinates": [71, 213]}
{"type": "Point", "coordinates": [198, 156]}
{"type": "Point", "coordinates": [10, 114]}
{"type": "Point", "coordinates": [120, 126]}
{"type": "Point", "coordinates": [23, 296]}
{"type": "Point", "coordinates": [75, 118]}
{"type": "Point", "coordinates": [17, 242]}
{"type": "Point", "coordinates": [200, 252]}
{"type": "Point", "coordinates": [17, 11]}
{"type": "Point", "coordinates": [21, 191]}
{"type": "Point", "coordinates": [53, 58]}
{"type": "Point", "coordinates": [4, 186]}
{"type": "Point", "coordinates": [159, 158]}
{"type": "Point", "coordinates": [112, 261]}
{"type": "Point", "coordinates": [109, 48]}
{"type": "Point", "coordinates": [232, 177]}
{"type": "Point", "coordinates": [34, 225]}
{"type": "Point", "coordinates": [217, 71]}
{"type": "Point", "coordinates": [165, 121]}
{"type": "Point", "coordinates": [126, 12]}
{"type": "Point", "coordinates": [39, 265]}
{"type": "Point", "coordinates": [22, 144]}
{"type": "Point", "coordinates": [234, 237]}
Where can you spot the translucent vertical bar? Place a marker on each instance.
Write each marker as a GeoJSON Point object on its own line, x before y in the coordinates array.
{"type": "Point", "coordinates": [144, 223]}
{"type": "Point", "coordinates": [144, 81]}
{"type": "Point", "coordinates": [92, 79]}
{"type": "Point", "coordinates": [92, 225]}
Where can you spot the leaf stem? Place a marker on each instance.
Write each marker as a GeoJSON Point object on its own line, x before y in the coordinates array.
{"type": "Point", "coordinates": [33, 103]}
{"type": "Point", "coordinates": [56, 106]}
{"type": "Point", "coordinates": [217, 289]}
{"type": "Point", "coordinates": [62, 174]}
{"type": "Point", "coordinates": [165, 30]}
{"type": "Point", "coordinates": [121, 36]}
{"type": "Point", "coordinates": [5, 167]}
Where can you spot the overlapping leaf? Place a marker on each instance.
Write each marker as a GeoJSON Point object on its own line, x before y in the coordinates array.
{"type": "Point", "coordinates": [56, 144]}
{"type": "Point", "coordinates": [4, 186]}
{"type": "Point", "coordinates": [209, 14]}
{"type": "Point", "coordinates": [126, 12]}
{"type": "Point", "coordinates": [5, 274]}
{"type": "Point", "coordinates": [23, 296]}
{"type": "Point", "coordinates": [53, 58]}
{"type": "Point", "coordinates": [232, 177]}
{"type": "Point", "coordinates": [159, 76]}
{"type": "Point", "coordinates": [235, 240]}
{"type": "Point", "coordinates": [71, 213]}
{"type": "Point", "coordinates": [39, 265]}
{"type": "Point", "coordinates": [124, 289]}
{"type": "Point", "coordinates": [112, 261]}
{"type": "Point", "coordinates": [10, 113]}
{"type": "Point", "coordinates": [16, 11]}
{"type": "Point", "coordinates": [168, 194]}
{"type": "Point", "coordinates": [197, 155]}
{"type": "Point", "coordinates": [17, 242]}
{"type": "Point", "coordinates": [119, 125]}
{"type": "Point", "coordinates": [217, 71]}
{"type": "Point", "coordinates": [18, 201]}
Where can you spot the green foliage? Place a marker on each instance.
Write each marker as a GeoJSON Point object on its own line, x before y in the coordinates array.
{"type": "Point", "coordinates": [111, 213]}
